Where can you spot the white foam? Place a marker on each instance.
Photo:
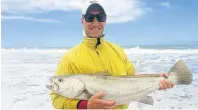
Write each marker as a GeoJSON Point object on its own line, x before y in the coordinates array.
{"type": "Point", "coordinates": [135, 50]}
{"type": "Point", "coordinates": [138, 50]}
{"type": "Point", "coordinates": [25, 73]}
{"type": "Point", "coordinates": [34, 50]}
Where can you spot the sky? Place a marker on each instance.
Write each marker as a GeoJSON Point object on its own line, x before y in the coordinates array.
{"type": "Point", "coordinates": [56, 23]}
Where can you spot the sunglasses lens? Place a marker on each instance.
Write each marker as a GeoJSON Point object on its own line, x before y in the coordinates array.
{"type": "Point", "coordinates": [89, 18]}
{"type": "Point", "coordinates": [101, 17]}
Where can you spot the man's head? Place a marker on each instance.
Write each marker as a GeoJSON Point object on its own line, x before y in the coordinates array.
{"type": "Point", "coordinates": [94, 20]}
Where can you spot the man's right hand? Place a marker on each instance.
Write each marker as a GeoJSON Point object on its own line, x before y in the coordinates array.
{"type": "Point", "coordinates": [95, 102]}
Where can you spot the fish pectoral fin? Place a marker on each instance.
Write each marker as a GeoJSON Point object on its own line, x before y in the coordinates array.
{"type": "Point", "coordinates": [147, 100]}
{"type": "Point", "coordinates": [89, 95]}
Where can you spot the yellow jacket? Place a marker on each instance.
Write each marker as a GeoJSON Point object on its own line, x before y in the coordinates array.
{"type": "Point", "coordinates": [87, 58]}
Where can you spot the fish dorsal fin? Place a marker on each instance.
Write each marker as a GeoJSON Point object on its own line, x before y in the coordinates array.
{"type": "Point", "coordinates": [141, 75]}
{"type": "Point", "coordinates": [129, 76]}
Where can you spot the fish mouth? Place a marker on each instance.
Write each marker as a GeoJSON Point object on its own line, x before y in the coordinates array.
{"type": "Point", "coordinates": [53, 86]}
{"type": "Point", "coordinates": [49, 87]}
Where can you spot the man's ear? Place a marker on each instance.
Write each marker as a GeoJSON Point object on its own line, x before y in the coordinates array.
{"type": "Point", "coordinates": [82, 20]}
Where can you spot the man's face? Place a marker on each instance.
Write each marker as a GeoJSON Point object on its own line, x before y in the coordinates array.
{"type": "Point", "coordinates": [94, 29]}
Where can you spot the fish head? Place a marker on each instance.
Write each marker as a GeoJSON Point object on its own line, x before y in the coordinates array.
{"type": "Point", "coordinates": [66, 86]}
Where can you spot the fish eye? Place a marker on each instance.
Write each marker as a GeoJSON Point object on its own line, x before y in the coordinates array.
{"type": "Point", "coordinates": [60, 79]}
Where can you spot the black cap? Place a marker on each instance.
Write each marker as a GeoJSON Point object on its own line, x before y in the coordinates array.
{"type": "Point", "coordinates": [95, 6]}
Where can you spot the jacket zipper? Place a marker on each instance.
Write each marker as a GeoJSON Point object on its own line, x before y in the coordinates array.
{"type": "Point", "coordinates": [102, 61]}
{"type": "Point", "coordinates": [98, 43]}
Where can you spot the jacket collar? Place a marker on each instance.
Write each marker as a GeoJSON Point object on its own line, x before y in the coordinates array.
{"type": "Point", "coordinates": [93, 43]}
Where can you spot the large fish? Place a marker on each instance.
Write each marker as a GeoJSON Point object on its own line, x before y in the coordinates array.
{"type": "Point", "coordinates": [122, 89]}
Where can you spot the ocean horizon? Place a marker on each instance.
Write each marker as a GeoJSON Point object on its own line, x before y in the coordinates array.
{"type": "Point", "coordinates": [124, 47]}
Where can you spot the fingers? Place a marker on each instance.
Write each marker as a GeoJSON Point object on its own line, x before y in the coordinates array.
{"type": "Point", "coordinates": [165, 84]}
{"type": "Point", "coordinates": [105, 102]}
{"type": "Point", "coordinates": [110, 107]}
{"type": "Point", "coordinates": [98, 95]}
{"type": "Point", "coordinates": [164, 74]}
{"type": "Point", "coordinates": [172, 84]}
{"type": "Point", "coordinates": [162, 85]}
{"type": "Point", "coordinates": [98, 99]}
{"type": "Point", "coordinates": [168, 84]}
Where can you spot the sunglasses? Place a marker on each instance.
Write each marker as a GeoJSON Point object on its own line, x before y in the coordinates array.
{"type": "Point", "coordinates": [91, 17]}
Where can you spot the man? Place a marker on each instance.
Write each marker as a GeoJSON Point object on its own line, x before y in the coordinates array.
{"type": "Point", "coordinates": [93, 56]}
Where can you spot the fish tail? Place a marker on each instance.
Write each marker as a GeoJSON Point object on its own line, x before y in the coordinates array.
{"type": "Point", "coordinates": [181, 73]}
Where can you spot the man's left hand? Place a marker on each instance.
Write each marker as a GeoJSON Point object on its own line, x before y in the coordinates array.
{"type": "Point", "coordinates": [165, 84]}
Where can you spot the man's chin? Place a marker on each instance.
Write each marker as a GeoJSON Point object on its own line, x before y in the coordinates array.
{"type": "Point", "coordinates": [95, 36]}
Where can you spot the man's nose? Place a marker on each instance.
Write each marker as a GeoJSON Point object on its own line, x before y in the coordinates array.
{"type": "Point", "coordinates": [95, 21]}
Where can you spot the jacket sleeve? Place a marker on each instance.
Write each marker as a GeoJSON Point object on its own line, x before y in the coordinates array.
{"type": "Point", "coordinates": [58, 101]}
{"type": "Point", "coordinates": [129, 66]}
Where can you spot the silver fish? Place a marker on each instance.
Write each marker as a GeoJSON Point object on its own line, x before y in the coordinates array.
{"type": "Point", "coordinates": [121, 89]}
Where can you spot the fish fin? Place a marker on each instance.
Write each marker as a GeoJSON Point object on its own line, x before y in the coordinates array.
{"type": "Point", "coordinates": [88, 94]}
{"type": "Point", "coordinates": [83, 96]}
{"type": "Point", "coordinates": [147, 100]}
{"type": "Point", "coordinates": [181, 72]}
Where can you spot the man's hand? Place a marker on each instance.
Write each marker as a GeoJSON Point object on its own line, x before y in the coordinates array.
{"type": "Point", "coordinates": [165, 84]}
{"type": "Point", "coordinates": [95, 102]}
